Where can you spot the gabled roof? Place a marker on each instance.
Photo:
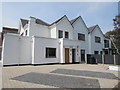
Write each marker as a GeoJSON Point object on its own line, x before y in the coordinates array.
{"type": "Point", "coordinates": [58, 20]}
{"type": "Point", "coordinates": [90, 29]}
{"type": "Point", "coordinates": [24, 22]}
{"type": "Point", "coordinates": [38, 21]}
{"type": "Point", "coordinates": [73, 20]}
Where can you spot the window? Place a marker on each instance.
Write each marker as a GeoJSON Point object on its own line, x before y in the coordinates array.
{"type": "Point", "coordinates": [60, 34]}
{"type": "Point", "coordinates": [26, 32]}
{"type": "Point", "coordinates": [106, 52]}
{"type": "Point", "coordinates": [66, 35]}
{"type": "Point", "coordinates": [106, 43]}
{"type": "Point", "coordinates": [81, 36]}
{"type": "Point", "coordinates": [97, 39]}
{"type": "Point", "coordinates": [96, 52]}
{"type": "Point", "coordinates": [101, 52]}
{"type": "Point", "coordinates": [50, 52]}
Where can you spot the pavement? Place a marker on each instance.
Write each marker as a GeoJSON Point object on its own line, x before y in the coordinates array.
{"type": "Point", "coordinates": [59, 76]}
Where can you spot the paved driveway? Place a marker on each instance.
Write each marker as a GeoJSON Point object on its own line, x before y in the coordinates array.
{"type": "Point", "coordinates": [59, 76]}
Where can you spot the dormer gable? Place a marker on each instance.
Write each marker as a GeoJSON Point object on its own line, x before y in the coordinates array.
{"type": "Point", "coordinates": [80, 21]}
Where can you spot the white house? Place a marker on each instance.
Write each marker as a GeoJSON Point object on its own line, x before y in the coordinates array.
{"type": "Point", "coordinates": [98, 44]}
{"type": "Point", "coordinates": [63, 41]}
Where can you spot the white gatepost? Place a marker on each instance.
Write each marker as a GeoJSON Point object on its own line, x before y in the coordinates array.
{"type": "Point", "coordinates": [102, 59]}
{"type": "Point", "coordinates": [114, 60]}
{"type": "Point", "coordinates": [86, 58]}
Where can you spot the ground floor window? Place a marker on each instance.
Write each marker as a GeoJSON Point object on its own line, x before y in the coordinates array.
{"type": "Point", "coordinates": [50, 52]}
{"type": "Point", "coordinates": [96, 52]}
{"type": "Point", "coordinates": [101, 52]}
{"type": "Point", "coordinates": [106, 52]}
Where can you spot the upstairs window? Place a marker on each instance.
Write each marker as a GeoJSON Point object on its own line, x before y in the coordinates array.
{"type": "Point", "coordinates": [66, 34]}
{"type": "Point", "coordinates": [26, 32]}
{"type": "Point", "coordinates": [97, 39]}
{"type": "Point", "coordinates": [60, 34]}
{"type": "Point", "coordinates": [50, 52]}
{"type": "Point", "coordinates": [106, 43]}
{"type": "Point", "coordinates": [81, 36]}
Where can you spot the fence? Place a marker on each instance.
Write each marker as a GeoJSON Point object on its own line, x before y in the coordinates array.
{"type": "Point", "coordinates": [104, 59]}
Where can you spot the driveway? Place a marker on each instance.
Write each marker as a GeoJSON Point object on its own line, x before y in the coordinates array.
{"type": "Point", "coordinates": [59, 76]}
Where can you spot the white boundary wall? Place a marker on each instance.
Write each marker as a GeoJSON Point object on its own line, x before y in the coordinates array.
{"type": "Point", "coordinates": [16, 50]}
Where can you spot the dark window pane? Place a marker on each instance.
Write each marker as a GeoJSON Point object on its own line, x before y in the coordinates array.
{"type": "Point", "coordinates": [50, 52]}
{"type": "Point", "coordinates": [97, 39]}
{"type": "Point", "coordinates": [60, 34]}
{"type": "Point", "coordinates": [106, 43]}
{"type": "Point", "coordinates": [101, 52]}
{"type": "Point", "coordinates": [26, 33]}
{"type": "Point", "coordinates": [81, 36]}
{"type": "Point", "coordinates": [96, 52]}
{"type": "Point", "coordinates": [66, 35]}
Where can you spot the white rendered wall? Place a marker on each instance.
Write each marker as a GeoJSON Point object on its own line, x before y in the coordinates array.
{"type": "Point", "coordinates": [37, 29]}
{"type": "Point", "coordinates": [80, 27]}
{"type": "Point", "coordinates": [16, 50]}
{"type": "Point", "coordinates": [21, 29]}
{"type": "Point", "coordinates": [53, 32]}
{"type": "Point", "coordinates": [40, 45]}
{"type": "Point", "coordinates": [64, 25]}
{"type": "Point", "coordinates": [96, 46]}
{"type": "Point", "coordinates": [71, 44]}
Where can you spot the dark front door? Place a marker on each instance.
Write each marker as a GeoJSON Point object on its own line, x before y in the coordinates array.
{"type": "Point", "coordinates": [73, 55]}
{"type": "Point", "coordinates": [82, 55]}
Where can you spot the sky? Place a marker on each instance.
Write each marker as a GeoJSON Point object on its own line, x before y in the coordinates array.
{"type": "Point", "coordinates": [101, 13]}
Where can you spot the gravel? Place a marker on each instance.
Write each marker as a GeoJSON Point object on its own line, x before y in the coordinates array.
{"type": "Point", "coordinates": [58, 80]}
{"type": "Point", "coordinates": [85, 73]}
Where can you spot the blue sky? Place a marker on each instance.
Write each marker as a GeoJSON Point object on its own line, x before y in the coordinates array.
{"type": "Point", "coordinates": [93, 13]}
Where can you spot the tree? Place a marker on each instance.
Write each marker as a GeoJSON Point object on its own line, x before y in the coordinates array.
{"type": "Point", "coordinates": [115, 34]}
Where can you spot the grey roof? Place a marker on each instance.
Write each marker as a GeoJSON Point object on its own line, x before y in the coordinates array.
{"type": "Point", "coordinates": [58, 20]}
{"type": "Point", "coordinates": [90, 29]}
{"type": "Point", "coordinates": [24, 22]}
{"type": "Point", "coordinates": [73, 20]}
{"type": "Point", "coordinates": [9, 30]}
{"type": "Point", "coordinates": [38, 21]}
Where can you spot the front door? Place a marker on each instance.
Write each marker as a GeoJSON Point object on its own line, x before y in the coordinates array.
{"type": "Point", "coordinates": [66, 55]}
{"type": "Point", "coordinates": [73, 55]}
{"type": "Point", "coordinates": [82, 56]}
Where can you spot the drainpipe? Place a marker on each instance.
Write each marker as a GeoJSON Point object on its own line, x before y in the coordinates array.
{"type": "Point", "coordinates": [114, 60]}
{"type": "Point", "coordinates": [19, 40]}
